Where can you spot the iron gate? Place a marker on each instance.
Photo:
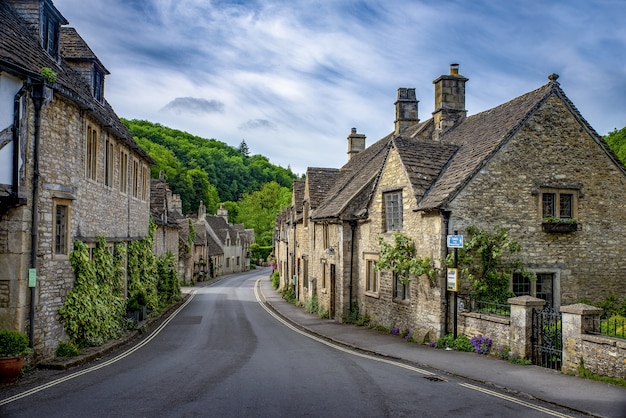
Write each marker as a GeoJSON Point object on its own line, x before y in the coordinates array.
{"type": "Point", "coordinates": [547, 338]}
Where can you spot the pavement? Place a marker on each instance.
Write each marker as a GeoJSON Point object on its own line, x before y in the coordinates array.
{"type": "Point", "coordinates": [531, 382]}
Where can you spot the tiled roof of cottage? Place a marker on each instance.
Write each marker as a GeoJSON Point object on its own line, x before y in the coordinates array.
{"type": "Point", "coordinates": [221, 228]}
{"type": "Point", "coordinates": [437, 170]}
{"type": "Point", "coordinates": [158, 204]}
{"type": "Point", "coordinates": [320, 181]}
{"type": "Point", "coordinates": [74, 47]}
{"type": "Point", "coordinates": [22, 55]}
{"type": "Point", "coordinates": [298, 195]}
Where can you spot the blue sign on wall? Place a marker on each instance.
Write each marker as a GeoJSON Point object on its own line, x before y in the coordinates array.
{"type": "Point", "coordinates": [455, 241]}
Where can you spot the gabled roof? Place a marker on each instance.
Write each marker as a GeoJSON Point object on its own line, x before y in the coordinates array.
{"type": "Point", "coordinates": [22, 55]}
{"type": "Point", "coordinates": [298, 195]}
{"type": "Point", "coordinates": [74, 48]}
{"type": "Point", "coordinates": [320, 181]}
{"type": "Point", "coordinates": [221, 228]}
{"type": "Point", "coordinates": [159, 209]}
{"type": "Point", "coordinates": [439, 169]}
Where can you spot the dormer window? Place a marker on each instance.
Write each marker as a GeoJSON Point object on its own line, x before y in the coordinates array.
{"type": "Point", "coordinates": [50, 23]}
{"type": "Point", "coordinates": [98, 84]}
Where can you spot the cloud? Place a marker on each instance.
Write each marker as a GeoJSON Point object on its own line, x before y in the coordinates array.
{"type": "Point", "coordinates": [258, 124]}
{"type": "Point", "coordinates": [194, 105]}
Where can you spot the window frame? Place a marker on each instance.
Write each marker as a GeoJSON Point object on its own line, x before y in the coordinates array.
{"type": "Point", "coordinates": [557, 197]}
{"type": "Point", "coordinates": [401, 292]}
{"type": "Point", "coordinates": [109, 161]}
{"type": "Point", "coordinates": [64, 251]}
{"type": "Point", "coordinates": [393, 207]}
{"type": "Point", "coordinates": [91, 153]}
{"type": "Point", "coordinates": [372, 277]}
{"type": "Point", "coordinates": [124, 159]}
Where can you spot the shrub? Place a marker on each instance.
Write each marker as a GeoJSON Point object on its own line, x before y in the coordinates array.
{"type": "Point", "coordinates": [481, 344]}
{"type": "Point", "coordinates": [275, 278]}
{"type": "Point", "coordinates": [13, 343]}
{"type": "Point", "coordinates": [447, 341]}
{"type": "Point", "coordinates": [289, 293]}
{"type": "Point", "coordinates": [67, 349]}
{"type": "Point", "coordinates": [462, 343]}
{"type": "Point", "coordinates": [312, 305]}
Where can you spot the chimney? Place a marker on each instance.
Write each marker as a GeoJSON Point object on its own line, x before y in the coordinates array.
{"type": "Point", "coordinates": [201, 211]}
{"type": "Point", "coordinates": [449, 100]}
{"type": "Point", "coordinates": [406, 110]}
{"type": "Point", "coordinates": [223, 212]}
{"type": "Point", "coordinates": [356, 143]}
{"type": "Point", "coordinates": [176, 205]}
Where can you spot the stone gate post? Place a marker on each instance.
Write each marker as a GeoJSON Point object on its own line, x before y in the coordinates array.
{"type": "Point", "coordinates": [520, 331]}
{"type": "Point", "coordinates": [576, 320]}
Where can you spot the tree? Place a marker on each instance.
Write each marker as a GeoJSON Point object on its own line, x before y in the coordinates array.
{"type": "Point", "coordinates": [258, 210]}
{"type": "Point", "coordinates": [617, 142]}
{"type": "Point", "coordinates": [243, 148]}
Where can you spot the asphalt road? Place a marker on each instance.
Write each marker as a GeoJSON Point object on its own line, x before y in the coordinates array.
{"type": "Point", "coordinates": [223, 354]}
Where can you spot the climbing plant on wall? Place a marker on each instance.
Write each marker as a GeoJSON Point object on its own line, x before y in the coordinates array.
{"type": "Point", "coordinates": [400, 258]}
{"type": "Point", "coordinates": [142, 273]}
{"type": "Point", "coordinates": [94, 310]}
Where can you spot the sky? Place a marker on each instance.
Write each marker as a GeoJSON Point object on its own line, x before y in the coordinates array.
{"type": "Point", "coordinates": [291, 78]}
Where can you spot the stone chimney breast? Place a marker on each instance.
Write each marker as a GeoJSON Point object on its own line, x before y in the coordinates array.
{"type": "Point", "coordinates": [406, 110]}
{"type": "Point", "coordinates": [356, 143]}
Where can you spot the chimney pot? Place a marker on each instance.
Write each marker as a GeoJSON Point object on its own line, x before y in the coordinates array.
{"type": "Point", "coordinates": [454, 69]}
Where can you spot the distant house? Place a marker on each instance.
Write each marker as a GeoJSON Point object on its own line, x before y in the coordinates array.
{"type": "Point", "coordinates": [69, 170]}
{"type": "Point", "coordinates": [220, 247]}
{"type": "Point", "coordinates": [532, 165]}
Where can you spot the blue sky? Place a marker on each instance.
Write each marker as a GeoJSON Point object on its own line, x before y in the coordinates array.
{"type": "Point", "coordinates": [291, 78]}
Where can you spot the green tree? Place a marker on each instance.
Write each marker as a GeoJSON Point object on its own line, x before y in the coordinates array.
{"type": "Point", "coordinates": [258, 210]}
{"type": "Point", "coordinates": [617, 141]}
{"type": "Point", "coordinates": [243, 148]}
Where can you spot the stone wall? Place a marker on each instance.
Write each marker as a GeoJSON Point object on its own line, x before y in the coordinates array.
{"type": "Point", "coordinates": [588, 263]}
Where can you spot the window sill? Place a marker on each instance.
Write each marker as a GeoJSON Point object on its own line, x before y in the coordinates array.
{"type": "Point", "coordinates": [402, 301]}
{"type": "Point", "coordinates": [375, 295]}
{"type": "Point", "coordinates": [559, 227]}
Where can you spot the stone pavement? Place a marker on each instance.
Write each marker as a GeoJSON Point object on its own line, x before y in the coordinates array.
{"type": "Point", "coordinates": [587, 396]}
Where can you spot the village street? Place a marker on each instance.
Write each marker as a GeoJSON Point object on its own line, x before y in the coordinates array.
{"type": "Point", "coordinates": [225, 353]}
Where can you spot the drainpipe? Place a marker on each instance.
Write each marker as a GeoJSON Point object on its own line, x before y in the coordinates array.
{"type": "Point", "coordinates": [446, 224]}
{"type": "Point", "coordinates": [352, 228]}
{"type": "Point", "coordinates": [16, 140]}
{"type": "Point", "coordinates": [38, 98]}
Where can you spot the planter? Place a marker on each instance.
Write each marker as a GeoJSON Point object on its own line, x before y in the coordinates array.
{"type": "Point", "coordinates": [559, 227]}
{"type": "Point", "coordinates": [10, 368]}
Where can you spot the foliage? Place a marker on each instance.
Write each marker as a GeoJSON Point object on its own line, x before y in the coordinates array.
{"type": "Point", "coordinates": [481, 344]}
{"type": "Point", "coordinates": [275, 278]}
{"type": "Point", "coordinates": [258, 210]}
{"type": "Point", "coordinates": [614, 326]}
{"type": "Point", "coordinates": [617, 142]}
{"type": "Point", "coordinates": [259, 253]}
{"type": "Point", "coordinates": [462, 343]}
{"type": "Point", "coordinates": [13, 343]}
{"type": "Point", "coordinates": [67, 349]}
{"type": "Point", "coordinates": [229, 169]}
{"type": "Point", "coordinates": [447, 341]}
{"type": "Point", "coordinates": [243, 148]}
{"type": "Point", "coordinates": [484, 263]}
{"type": "Point", "coordinates": [142, 273]}
{"type": "Point", "coordinates": [49, 74]}
{"type": "Point", "coordinates": [289, 293]}
{"type": "Point", "coordinates": [93, 311]}
{"type": "Point", "coordinates": [312, 305]}
{"type": "Point", "coordinates": [554, 219]}
{"type": "Point", "coordinates": [168, 286]}
{"type": "Point", "coordinates": [355, 317]}
{"type": "Point", "coordinates": [400, 258]}
{"type": "Point", "coordinates": [612, 306]}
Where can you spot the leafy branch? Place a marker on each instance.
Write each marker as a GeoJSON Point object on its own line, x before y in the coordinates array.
{"type": "Point", "coordinates": [400, 258]}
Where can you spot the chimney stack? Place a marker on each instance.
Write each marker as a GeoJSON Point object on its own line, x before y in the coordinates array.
{"type": "Point", "coordinates": [223, 212]}
{"type": "Point", "coordinates": [356, 143]}
{"type": "Point", "coordinates": [406, 110]}
{"type": "Point", "coordinates": [449, 99]}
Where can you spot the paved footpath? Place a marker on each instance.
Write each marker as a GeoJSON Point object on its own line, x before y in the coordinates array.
{"type": "Point", "coordinates": [588, 396]}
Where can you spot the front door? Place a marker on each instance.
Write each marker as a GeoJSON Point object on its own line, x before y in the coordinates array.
{"type": "Point", "coordinates": [332, 291]}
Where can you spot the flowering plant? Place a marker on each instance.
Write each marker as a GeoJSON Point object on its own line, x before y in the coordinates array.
{"type": "Point", "coordinates": [481, 344]}
{"type": "Point", "coordinates": [395, 330]}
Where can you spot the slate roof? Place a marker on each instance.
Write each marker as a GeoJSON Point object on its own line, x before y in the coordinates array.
{"type": "Point", "coordinates": [221, 228]}
{"type": "Point", "coordinates": [298, 196]}
{"type": "Point", "coordinates": [437, 169]}
{"type": "Point", "coordinates": [158, 204]}
{"type": "Point", "coordinates": [22, 55]}
{"type": "Point", "coordinates": [320, 181]}
{"type": "Point", "coordinates": [74, 47]}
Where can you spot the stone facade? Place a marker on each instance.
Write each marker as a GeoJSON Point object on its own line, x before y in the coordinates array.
{"type": "Point", "coordinates": [508, 166]}
{"type": "Point", "coordinates": [79, 172]}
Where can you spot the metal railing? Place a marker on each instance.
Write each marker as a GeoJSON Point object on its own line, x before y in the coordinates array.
{"type": "Point", "coordinates": [502, 309]}
{"type": "Point", "coordinates": [615, 326]}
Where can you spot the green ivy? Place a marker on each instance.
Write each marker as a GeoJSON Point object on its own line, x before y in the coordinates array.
{"type": "Point", "coordinates": [94, 310]}
{"type": "Point", "coordinates": [400, 258]}
{"type": "Point", "coordinates": [142, 273]}
{"type": "Point", "coordinates": [168, 286]}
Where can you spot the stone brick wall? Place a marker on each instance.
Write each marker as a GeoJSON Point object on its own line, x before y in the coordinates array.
{"type": "Point", "coordinates": [554, 149]}
{"type": "Point", "coordinates": [495, 327]}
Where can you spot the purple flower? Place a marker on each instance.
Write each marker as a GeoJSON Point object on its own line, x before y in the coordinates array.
{"type": "Point", "coordinates": [481, 344]}
{"type": "Point", "coordinates": [395, 330]}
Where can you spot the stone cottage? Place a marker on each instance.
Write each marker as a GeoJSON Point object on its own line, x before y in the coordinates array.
{"type": "Point", "coordinates": [69, 170]}
{"type": "Point", "coordinates": [532, 165]}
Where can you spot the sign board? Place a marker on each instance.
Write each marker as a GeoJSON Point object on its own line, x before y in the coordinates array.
{"type": "Point", "coordinates": [455, 241]}
{"type": "Point", "coordinates": [32, 277]}
{"type": "Point", "coordinates": [453, 280]}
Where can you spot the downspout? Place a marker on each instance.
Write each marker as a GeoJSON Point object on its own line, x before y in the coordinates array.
{"type": "Point", "coordinates": [446, 224]}
{"type": "Point", "coordinates": [353, 228]}
{"type": "Point", "coordinates": [38, 98]}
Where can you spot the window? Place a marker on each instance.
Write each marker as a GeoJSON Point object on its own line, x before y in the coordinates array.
{"type": "Point", "coordinates": [558, 203]}
{"type": "Point", "coordinates": [123, 171]}
{"type": "Point", "coordinates": [238, 260]}
{"type": "Point", "coordinates": [371, 275]}
{"type": "Point", "coordinates": [61, 227]}
{"type": "Point", "coordinates": [323, 275]}
{"type": "Point", "coordinates": [400, 290]}
{"type": "Point", "coordinates": [393, 211]}
{"type": "Point", "coordinates": [227, 262]}
{"type": "Point", "coordinates": [91, 157]}
{"type": "Point", "coordinates": [135, 178]}
{"type": "Point", "coordinates": [50, 32]}
{"type": "Point", "coordinates": [145, 183]}
{"type": "Point", "coordinates": [108, 165]}
{"type": "Point", "coordinates": [325, 236]}
{"type": "Point", "coordinates": [541, 286]}
{"type": "Point", "coordinates": [98, 84]}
